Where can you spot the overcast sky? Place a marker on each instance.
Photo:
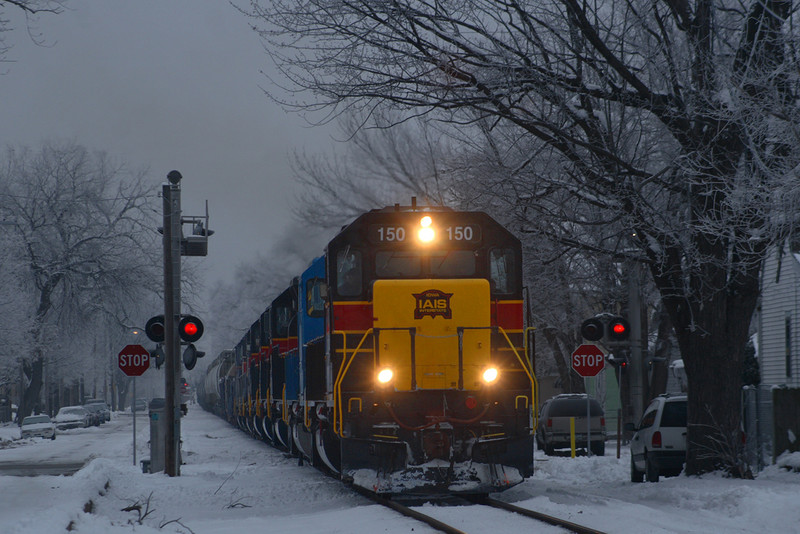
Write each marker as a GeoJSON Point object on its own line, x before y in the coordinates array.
{"type": "Point", "coordinates": [164, 84]}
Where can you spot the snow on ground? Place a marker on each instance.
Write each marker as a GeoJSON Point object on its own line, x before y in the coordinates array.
{"type": "Point", "coordinates": [232, 483]}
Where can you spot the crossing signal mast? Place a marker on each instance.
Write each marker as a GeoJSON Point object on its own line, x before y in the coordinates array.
{"type": "Point", "coordinates": [178, 328]}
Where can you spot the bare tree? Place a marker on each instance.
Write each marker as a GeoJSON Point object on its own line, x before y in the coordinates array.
{"type": "Point", "coordinates": [29, 10]}
{"type": "Point", "coordinates": [85, 250]}
{"type": "Point", "coordinates": [673, 120]}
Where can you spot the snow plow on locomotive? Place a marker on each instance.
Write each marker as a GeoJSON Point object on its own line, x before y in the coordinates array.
{"type": "Point", "coordinates": [398, 360]}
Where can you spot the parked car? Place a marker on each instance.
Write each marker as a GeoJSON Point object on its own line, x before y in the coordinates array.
{"type": "Point", "coordinates": [659, 444]}
{"type": "Point", "coordinates": [73, 417]}
{"type": "Point", "coordinates": [101, 406]}
{"type": "Point", "coordinates": [553, 431]}
{"type": "Point", "coordinates": [38, 426]}
{"type": "Point", "coordinates": [95, 414]}
{"type": "Point", "coordinates": [139, 405]}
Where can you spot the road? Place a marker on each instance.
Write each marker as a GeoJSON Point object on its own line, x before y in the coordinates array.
{"type": "Point", "coordinates": [73, 448]}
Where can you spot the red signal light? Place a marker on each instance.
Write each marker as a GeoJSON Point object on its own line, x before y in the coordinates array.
{"type": "Point", "coordinates": [618, 329]}
{"type": "Point", "coordinates": [190, 328]}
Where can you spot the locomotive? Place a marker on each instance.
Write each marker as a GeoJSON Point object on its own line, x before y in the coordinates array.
{"type": "Point", "coordinates": [397, 361]}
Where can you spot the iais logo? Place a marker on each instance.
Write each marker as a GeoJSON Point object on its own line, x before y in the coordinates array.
{"type": "Point", "coordinates": [431, 303]}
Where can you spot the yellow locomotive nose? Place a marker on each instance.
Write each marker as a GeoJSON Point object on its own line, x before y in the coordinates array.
{"type": "Point", "coordinates": [434, 334]}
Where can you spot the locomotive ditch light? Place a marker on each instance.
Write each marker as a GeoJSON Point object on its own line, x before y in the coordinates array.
{"type": "Point", "coordinates": [490, 375]}
{"type": "Point", "coordinates": [385, 376]}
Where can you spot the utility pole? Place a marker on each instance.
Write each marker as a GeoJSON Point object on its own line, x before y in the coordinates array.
{"type": "Point", "coordinates": [171, 193]}
{"type": "Point", "coordinates": [638, 370]}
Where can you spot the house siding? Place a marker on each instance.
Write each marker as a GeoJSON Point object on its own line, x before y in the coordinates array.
{"type": "Point", "coordinates": [779, 301]}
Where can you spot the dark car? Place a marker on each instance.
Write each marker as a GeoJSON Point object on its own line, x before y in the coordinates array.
{"type": "Point", "coordinates": [102, 407]}
{"type": "Point", "coordinates": [553, 431]}
{"type": "Point", "coordinates": [95, 414]}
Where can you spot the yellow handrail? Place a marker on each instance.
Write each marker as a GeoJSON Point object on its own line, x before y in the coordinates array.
{"type": "Point", "coordinates": [337, 391]}
{"type": "Point", "coordinates": [531, 377]}
{"type": "Point", "coordinates": [284, 409]}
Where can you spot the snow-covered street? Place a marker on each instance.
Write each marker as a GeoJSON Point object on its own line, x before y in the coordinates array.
{"type": "Point", "coordinates": [232, 483]}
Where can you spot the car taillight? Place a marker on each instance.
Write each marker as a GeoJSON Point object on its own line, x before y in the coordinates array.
{"type": "Point", "coordinates": [549, 423]}
{"type": "Point", "coordinates": [602, 421]}
{"type": "Point", "coordinates": [656, 441]}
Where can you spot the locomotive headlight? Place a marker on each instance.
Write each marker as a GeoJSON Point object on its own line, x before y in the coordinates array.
{"type": "Point", "coordinates": [385, 376]}
{"type": "Point", "coordinates": [490, 375]}
{"type": "Point", "coordinates": [426, 235]}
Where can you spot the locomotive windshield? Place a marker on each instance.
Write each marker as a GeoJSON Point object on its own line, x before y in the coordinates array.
{"type": "Point", "coordinates": [413, 264]}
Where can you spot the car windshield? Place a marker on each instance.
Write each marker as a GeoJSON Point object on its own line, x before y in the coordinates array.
{"type": "Point", "coordinates": [73, 411]}
{"type": "Point", "coordinates": [574, 407]}
{"type": "Point", "coordinates": [32, 420]}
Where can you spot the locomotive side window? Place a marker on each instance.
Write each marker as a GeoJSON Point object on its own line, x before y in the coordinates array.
{"type": "Point", "coordinates": [453, 263]}
{"type": "Point", "coordinates": [501, 270]}
{"type": "Point", "coordinates": [397, 263]}
{"type": "Point", "coordinates": [315, 304]}
{"type": "Point", "coordinates": [283, 315]}
{"type": "Point", "coordinates": [348, 272]}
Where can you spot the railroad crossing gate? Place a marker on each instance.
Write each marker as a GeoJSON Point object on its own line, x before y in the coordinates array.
{"type": "Point", "coordinates": [588, 360]}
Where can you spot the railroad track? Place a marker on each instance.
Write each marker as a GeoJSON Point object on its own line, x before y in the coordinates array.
{"type": "Point", "coordinates": [485, 501]}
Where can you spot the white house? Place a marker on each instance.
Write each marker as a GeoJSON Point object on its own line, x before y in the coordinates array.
{"type": "Point", "coordinates": [779, 320]}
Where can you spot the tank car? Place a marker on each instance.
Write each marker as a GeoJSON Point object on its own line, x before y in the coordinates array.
{"type": "Point", "coordinates": [398, 360]}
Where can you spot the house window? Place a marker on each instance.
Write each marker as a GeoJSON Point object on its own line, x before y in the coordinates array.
{"type": "Point", "coordinates": [788, 344]}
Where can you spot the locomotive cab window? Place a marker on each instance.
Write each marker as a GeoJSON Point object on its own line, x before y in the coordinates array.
{"type": "Point", "coordinates": [501, 270]}
{"type": "Point", "coordinates": [315, 303]}
{"type": "Point", "coordinates": [452, 263]}
{"type": "Point", "coordinates": [349, 273]}
{"type": "Point", "coordinates": [398, 263]}
{"type": "Point", "coordinates": [283, 317]}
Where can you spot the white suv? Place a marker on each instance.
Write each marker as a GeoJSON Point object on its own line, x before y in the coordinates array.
{"type": "Point", "coordinates": [659, 444]}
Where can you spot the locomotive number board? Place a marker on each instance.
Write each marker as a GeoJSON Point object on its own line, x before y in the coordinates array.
{"type": "Point", "coordinates": [401, 233]}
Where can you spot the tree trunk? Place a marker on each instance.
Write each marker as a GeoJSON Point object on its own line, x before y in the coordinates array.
{"type": "Point", "coordinates": [712, 333]}
{"type": "Point", "coordinates": [30, 397]}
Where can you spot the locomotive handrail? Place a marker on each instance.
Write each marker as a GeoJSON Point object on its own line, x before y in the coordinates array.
{"type": "Point", "coordinates": [535, 400]}
{"type": "Point", "coordinates": [337, 388]}
{"type": "Point", "coordinates": [531, 377]}
{"type": "Point", "coordinates": [284, 409]}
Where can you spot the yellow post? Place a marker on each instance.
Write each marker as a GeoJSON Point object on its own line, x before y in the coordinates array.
{"type": "Point", "coordinates": [572, 437]}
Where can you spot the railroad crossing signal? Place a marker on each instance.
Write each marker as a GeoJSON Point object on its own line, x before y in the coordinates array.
{"type": "Point", "coordinates": [588, 360]}
{"type": "Point", "coordinates": [613, 329]}
{"type": "Point", "coordinates": [133, 360]}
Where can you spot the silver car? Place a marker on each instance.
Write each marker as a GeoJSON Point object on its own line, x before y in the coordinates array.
{"type": "Point", "coordinates": [38, 426]}
{"type": "Point", "coordinates": [659, 445]}
{"type": "Point", "coordinates": [73, 417]}
{"type": "Point", "coordinates": [554, 430]}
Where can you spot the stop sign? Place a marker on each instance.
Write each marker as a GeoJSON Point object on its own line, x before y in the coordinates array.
{"type": "Point", "coordinates": [588, 360]}
{"type": "Point", "coordinates": [134, 360]}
